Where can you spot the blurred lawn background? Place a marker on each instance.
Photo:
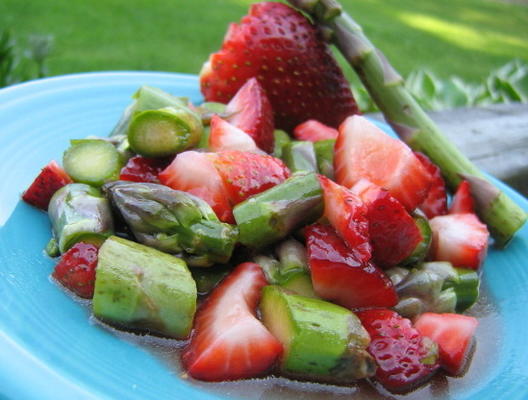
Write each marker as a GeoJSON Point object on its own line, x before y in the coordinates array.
{"type": "Point", "coordinates": [468, 38]}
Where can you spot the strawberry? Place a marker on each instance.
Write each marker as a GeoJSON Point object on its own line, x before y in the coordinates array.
{"type": "Point", "coordinates": [251, 112]}
{"type": "Point", "coordinates": [338, 276]}
{"type": "Point", "coordinates": [224, 179]}
{"type": "Point", "coordinates": [225, 136]}
{"type": "Point", "coordinates": [76, 269]}
{"type": "Point", "coordinates": [285, 52]}
{"type": "Point", "coordinates": [314, 131]}
{"type": "Point", "coordinates": [393, 233]}
{"type": "Point", "coordinates": [246, 174]}
{"type": "Point", "coordinates": [195, 173]}
{"type": "Point", "coordinates": [460, 239]}
{"type": "Point", "coordinates": [50, 179]}
{"type": "Point", "coordinates": [462, 200]}
{"type": "Point", "coordinates": [362, 150]}
{"type": "Point", "coordinates": [348, 215]}
{"type": "Point", "coordinates": [228, 341]}
{"type": "Point", "coordinates": [405, 358]}
{"type": "Point", "coordinates": [436, 201]}
{"type": "Point", "coordinates": [454, 335]}
{"type": "Point", "coordinates": [142, 169]}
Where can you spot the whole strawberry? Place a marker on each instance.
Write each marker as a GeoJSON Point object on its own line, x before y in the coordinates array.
{"type": "Point", "coordinates": [287, 55]}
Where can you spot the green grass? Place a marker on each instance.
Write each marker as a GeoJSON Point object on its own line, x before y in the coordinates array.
{"type": "Point", "coordinates": [468, 38]}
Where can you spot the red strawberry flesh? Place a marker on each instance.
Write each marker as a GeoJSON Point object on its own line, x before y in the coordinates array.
{"type": "Point", "coordinates": [405, 359]}
{"type": "Point", "coordinates": [393, 233]}
{"type": "Point", "coordinates": [348, 215]}
{"type": "Point", "coordinates": [338, 276]}
{"type": "Point", "coordinates": [435, 202]}
{"type": "Point", "coordinates": [228, 341]}
{"type": "Point", "coordinates": [76, 269]}
{"type": "Point", "coordinates": [314, 131]}
{"type": "Point", "coordinates": [143, 169]}
{"type": "Point", "coordinates": [462, 200]}
{"type": "Point", "coordinates": [252, 113]}
{"type": "Point", "coordinates": [225, 136]}
{"type": "Point", "coordinates": [460, 239]}
{"type": "Point", "coordinates": [49, 180]}
{"type": "Point", "coordinates": [454, 335]}
{"type": "Point", "coordinates": [363, 151]}
{"type": "Point", "coordinates": [246, 174]}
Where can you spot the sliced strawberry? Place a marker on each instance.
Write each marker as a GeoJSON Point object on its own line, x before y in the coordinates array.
{"type": "Point", "coordinates": [76, 269]}
{"type": "Point", "coordinates": [285, 52]}
{"type": "Point", "coordinates": [228, 341]}
{"type": "Point", "coordinates": [393, 232]}
{"type": "Point", "coordinates": [436, 201]}
{"type": "Point", "coordinates": [338, 276]}
{"type": "Point", "coordinates": [251, 112]}
{"type": "Point", "coordinates": [314, 131]}
{"type": "Point", "coordinates": [405, 358]}
{"type": "Point", "coordinates": [195, 173]}
{"type": "Point", "coordinates": [246, 174]}
{"type": "Point", "coordinates": [462, 200]}
{"type": "Point", "coordinates": [363, 150]}
{"type": "Point", "coordinates": [225, 136]}
{"type": "Point", "coordinates": [348, 215]}
{"type": "Point", "coordinates": [460, 239]}
{"type": "Point", "coordinates": [454, 335]}
{"type": "Point", "coordinates": [50, 179]}
{"type": "Point", "coordinates": [143, 169]}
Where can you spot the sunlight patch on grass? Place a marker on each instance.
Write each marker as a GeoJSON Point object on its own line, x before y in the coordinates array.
{"type": "Point", "coordinates": [464, 36]}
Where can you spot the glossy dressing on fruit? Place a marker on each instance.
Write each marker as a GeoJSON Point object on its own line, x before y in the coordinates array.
{"type": "Point", "coordinates": [278, 388]}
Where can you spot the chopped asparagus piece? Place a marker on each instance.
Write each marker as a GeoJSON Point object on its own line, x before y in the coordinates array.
{"type": "Point", "coordinates": [92, 161]}
{"type": "Point", "coordinates": [165, 131]}
{"type": "Point", "coordinates": [324, 152]}
{"type": "Point", "coordinates": [138, 287]}
{"type": "Point", "coordinates": [466, 287]}
{"type": "Point", "coordinates": [173, 221]}
{"type": "Point", "coordinates": [79, 213]}
{"type": "Point", "coordinates": [322, 341]}
{"type": "Point", "coordinates": [299, 282]}
{"type": "Point", "coordinates": [270, 266]}
{"type": "Point", "coordinates": [277, 212]}
{"type": "Point", "coordinates": [292, 257]}
{"type": "Point", "coordinates": [421, 250]}
{"type": "Point", "coordinates": [145, 98]}
{"type": "Point", "coordinates": [299, 156]}
{"type": "Point", "coordinates": [281, 139]}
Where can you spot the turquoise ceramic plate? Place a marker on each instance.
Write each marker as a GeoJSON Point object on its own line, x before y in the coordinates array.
{"type": "Point", "coordinates": [51, 349]}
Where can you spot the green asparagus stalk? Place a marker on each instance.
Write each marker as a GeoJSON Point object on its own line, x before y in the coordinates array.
{"type": "Point", "coordinates": [164, 131]}
{"type": "Point", "coordinates": [324, 152]}
{"type": "Point", "coordinates": [92, 161]}
{"type": "Point", "coordinates": [173, 221]}
{"type": "Point", "coordinates": [502, 215]}
{"type": "Point", "coordinates": [277, 212]}
{"type": "Point", "coordinates": [281, 139]}
{"type": "Point", "coordinates": [79, 213]}
{"type": "Point", "coordinates": [299, 156]}
{"type": "Point", "coordinates": [146, 98]}
{"type": "Point", "coordinates": [292, 256]}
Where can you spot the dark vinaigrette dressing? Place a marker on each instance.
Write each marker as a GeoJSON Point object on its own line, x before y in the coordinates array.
{"type": "Point", "coordinates": [278, 388]}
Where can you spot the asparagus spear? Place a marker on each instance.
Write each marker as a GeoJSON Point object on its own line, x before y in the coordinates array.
{"type": "Point", "coordinates": [146, 98]}
{"type": "Point", "coordinates": [173, 221]}
{"type": "Point", "coordinates": [164, 131]}
{"type": "Point", "coordinates": [502, 215]}
{"type": "Point", "coordinates": [276, 212]}
{"type": "Point", "coordinates": [281, 139]}
{"type": "Point", "coordinates": [79, 213]}
{"type": "Point", "coordinates": [299, 156]}
{"type": "Point", "coordinates": [324, 152]}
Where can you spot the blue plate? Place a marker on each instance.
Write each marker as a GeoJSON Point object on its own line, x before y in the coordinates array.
{"type": "Point", "coordinates": [50, 348]}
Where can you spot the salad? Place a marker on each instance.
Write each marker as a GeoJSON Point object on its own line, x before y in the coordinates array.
{"type": "Point", "coordinates": [331, 256]}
